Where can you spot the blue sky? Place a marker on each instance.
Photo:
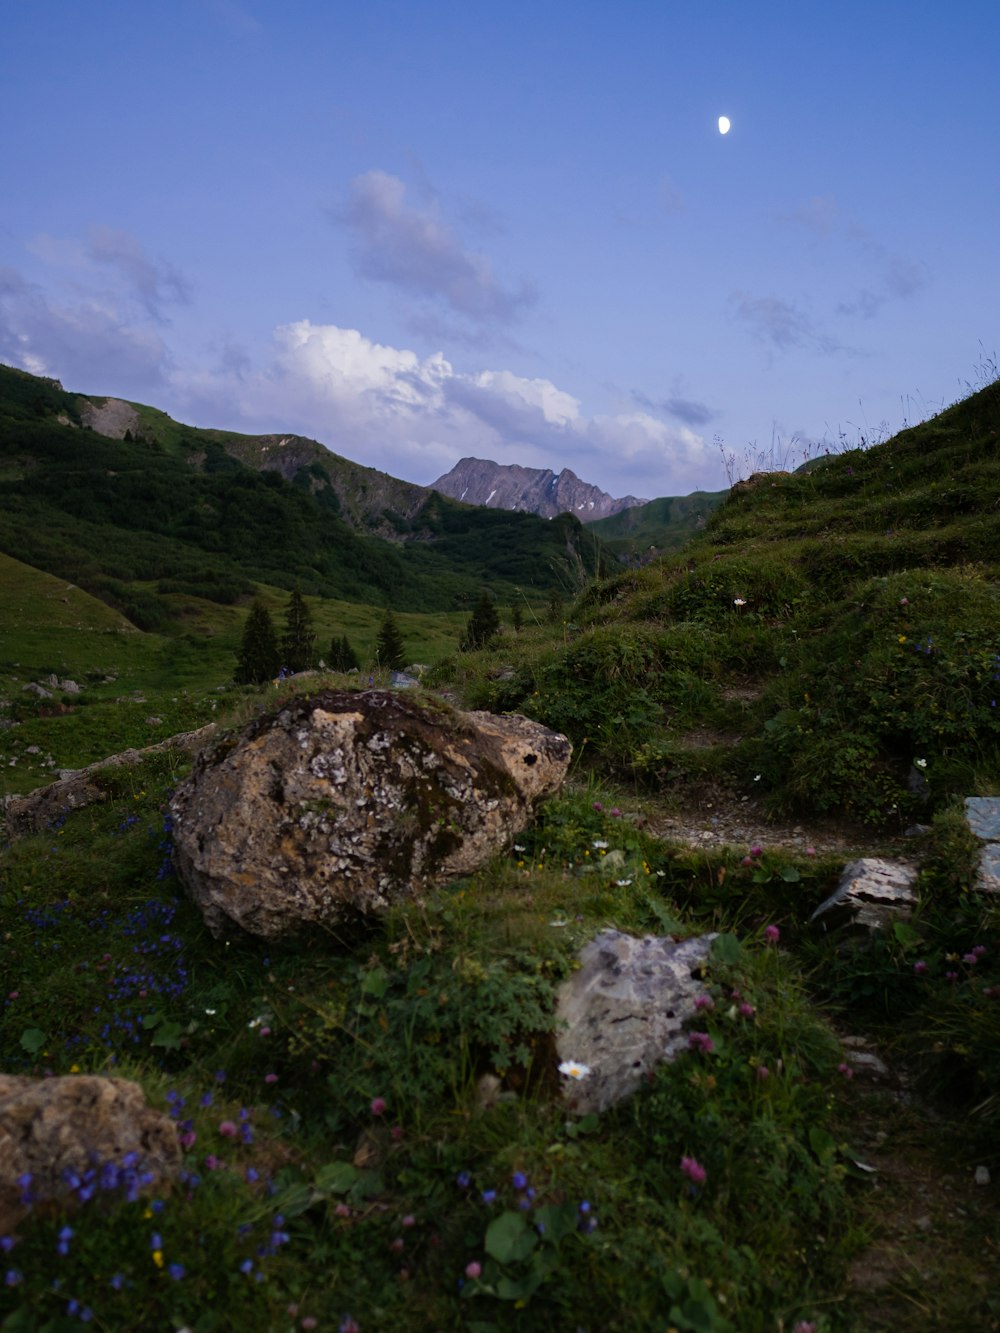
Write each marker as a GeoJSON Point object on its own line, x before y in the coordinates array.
{"type": "Point", "coordinates": [418, 232]}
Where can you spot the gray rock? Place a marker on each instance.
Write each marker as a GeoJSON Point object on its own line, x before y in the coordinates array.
{"type": "Point", "coordinates": [76, 788]}
{"type": "Point", "coordinates": [988, 874]}
{"type": "Point", "coordinates": [872, 893]}
{"type": "Point", "coordinates": [344, 802]}
{"type": "Point", "coordinates": [70, 687]}
{"type": "Point", "coordinates": [624, 1011]}
{"type": "Point", "coordinates": [39, 691]}
{"type": "Point", "coordinates": [55, 1126]}
{"type": "Point", "coordinates": [982, 814]}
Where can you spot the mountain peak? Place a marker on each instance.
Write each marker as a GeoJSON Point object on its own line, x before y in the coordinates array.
{"type": "Point", "coordinates": [479, 481]}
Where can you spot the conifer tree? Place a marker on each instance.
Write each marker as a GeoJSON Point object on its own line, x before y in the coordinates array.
{"type": "Point", "coordinates": [258, 659]}
{"type": "Point", "coordinates": [342, 655]}
{"type": "Point", "coordinates": [389, 648]}
{"type": "Point", "coordinates": [483, 625]}
{"type": "Point", "coordinates": [298, 641]}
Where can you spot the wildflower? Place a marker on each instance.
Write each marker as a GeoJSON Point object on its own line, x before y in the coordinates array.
{"type": "Point", "coordinates": [599, 844]}
{"type": "Point", "coordinates": [615, 813]}
{"type": "Point", "coordinates": [348, 1325]}
{"type": "Point", "coordinates": [13, 1277]}
{"type": "Point", "coordinates": [473, 1269]}
{"type": "Point", "coordinates": [810, 851]}
{"type": "Point", "coordinates": [409, 1220]}
{"type": "Point", "coordinates": [176, 1271]}
{"type": "Point", "coordinates": [739, 601]}
{"type": "Point", "coordinates": [378, 1105]}
{"type": "Point", "coordinates": [704, 1002]}
{"type": "Point", "coordinates": [920, 763]}
{"type": "Point", "coordinates": [747, 1010]}
{"type": "Point", "coordinates": [598, 806]}
{"type": "Point", "coordinates": [573, 1069]}
{"type": "Point", "coordinates": [920, 967]}
{"type": "Point", "coordinates": [63, 1240]}
{"type": "Point", "coordinates": [270, 1078]}
{"type": "Point", "coordinates": [463, 1180]}
{"type": "Point", "coordinates": [694, 1171]}
{"type": "Point", "coordinates": [951, 976]}
{"type": "Point", "coordinates": [309, 1321]}
{"type": "Point", "coordinates": [489, 1196]}
{"type": "Point", "coordinates": [228, 1129]}
{"type": "Point", "coordinates": [519, 1180]}
{"type": "Point", "coordinates": [397, 1133]}
{"type": "Point", "coordinates": [763, 1072]}
{"type": "Point", "coordinates": [700, 1041]}
{"type": "Point", "coordinates": [806, 1325]}
{"type": "Point", "coordinates": [623, 883]}
{"type": "Point", "coordinates": [756, 850]}
{"type": "Point", "coordinates": [158, 1258]}
{"type": "Point", "coordinates": [845, 1070]}
{"type": "Point", "coordinates": [772, 934]}
{"type": "Point", "coordinates": [971, 959]}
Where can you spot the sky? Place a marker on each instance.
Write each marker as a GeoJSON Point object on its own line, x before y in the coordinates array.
{"type": "Point", "coordinates": [421, 232]}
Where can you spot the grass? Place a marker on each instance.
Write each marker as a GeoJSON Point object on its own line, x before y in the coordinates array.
{"type": "Point", "coordinates": [373, 1130]}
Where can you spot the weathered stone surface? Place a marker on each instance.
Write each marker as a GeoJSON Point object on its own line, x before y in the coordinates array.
{"type": "Point", "coordinates": [345, 802]}
{"type": "Point", "coordinates": [625, 1010]}
{"type": "Point", "coordinates": [53, 1128]}
{"type": "Point", "coordinates": [982, 814]}
{"type": "Point", "coordinates": [75, 789]}
{"type": "Point", "coordinates": [872, 893]}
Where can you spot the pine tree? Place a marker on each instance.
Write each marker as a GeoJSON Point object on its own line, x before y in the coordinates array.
{"type": "Point", "coordinates": [484, 625]}
{"type": "Point", "coordinates": [389, 648]}
{"type": "Point", "coordinates": [258, 659]}
{"type": "Point", "coordinates": [298, 641]}
{"type": "Point", "coordinates": [342, 655]}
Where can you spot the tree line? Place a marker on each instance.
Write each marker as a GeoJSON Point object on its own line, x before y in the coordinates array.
{"type": "Point", "coordinates": [264, 654]}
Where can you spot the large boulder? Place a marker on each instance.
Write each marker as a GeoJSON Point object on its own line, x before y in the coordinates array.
{"type": "Point", "coordinates": [58, 1135]}
{"type": "Point", "coordinates": [343, 803]}
{"type": "Point", "coordinates": [625, 1010]}
{"type": "Point", "coordinates": [871, 895]}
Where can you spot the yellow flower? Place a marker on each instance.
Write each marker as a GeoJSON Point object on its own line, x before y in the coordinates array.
{"type": "Point", "coordinates": [158, 1258]}
{"type": "Point", "coordinates": [902, 638]}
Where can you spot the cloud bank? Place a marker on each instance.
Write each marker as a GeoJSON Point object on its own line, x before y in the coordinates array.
{"type": "Point", "coordinates": [415, 417]}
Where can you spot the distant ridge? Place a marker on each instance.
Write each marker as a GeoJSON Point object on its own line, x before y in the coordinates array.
{"type": "Point", "coordinates": [479, 481]}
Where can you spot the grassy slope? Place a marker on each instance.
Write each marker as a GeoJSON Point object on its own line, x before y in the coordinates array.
{"type": "Point", "coordinates": [109, 967]}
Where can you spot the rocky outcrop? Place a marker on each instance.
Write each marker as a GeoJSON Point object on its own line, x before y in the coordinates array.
{"type": "Point", "coordinates": [38, 810]}
{"type": "Point", "coordinates": [111, 417]}
{"type": "Point", "coordinates": [871, 894]}
{"type": "Point", "coordinates": [982, 814]}
{"type": "Point", "coordinates": [624, 1011]}
{"type": "Point", "coordinates": [344, 803]}
{"type": "Point", "coordinates": [57, 1135]}
{"type": "Point", "coordinates": [477, 481]}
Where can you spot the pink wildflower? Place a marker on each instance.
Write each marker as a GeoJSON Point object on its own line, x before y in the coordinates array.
{"type": "Point", "coordinates": [228, 1129]}
{"type": "Point", "coordinates": [772, 934]}
{"type": "Point", "coordinates": [747, 1010]}
{"type": "Point", "coordinates": [700, 1041]}
{"type": "Point", "coordinates": [704, 1002]}
{"type": "Point", "coordinates": [756, 850]}
{"type": "Point", "coordinates": [694, 1171]}
{"type": "Point", "coordinates": [920, 967]}
{"type": "Point", "coordinates": [473, 1269]}
{"type": "Point", "coordinates": [378, 1106]}
{"type": "Point", "coordinates": [846, 1070]}
{"type": "Point", "coordinates": [763, 1072]}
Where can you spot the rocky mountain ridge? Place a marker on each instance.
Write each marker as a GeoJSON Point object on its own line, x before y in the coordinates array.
{"type": "Point", "coordinates": [532, 490]}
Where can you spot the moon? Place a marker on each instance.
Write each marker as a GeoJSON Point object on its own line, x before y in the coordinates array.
{"type": "Point", "coordinates": [724, 124]}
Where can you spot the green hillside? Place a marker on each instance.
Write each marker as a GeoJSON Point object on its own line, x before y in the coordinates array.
{"type": "Point", "coordinates": [372, 1123]}
{"type": "Point", "coordinates": [175, 510]}
{"type": "Point", "coordinates": [657, 528]}
{"type": "Point", "coordinates": [827, 631]}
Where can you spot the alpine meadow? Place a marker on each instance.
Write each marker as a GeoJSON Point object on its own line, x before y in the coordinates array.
{"type": "Point", "coordinates": [379, 1123]}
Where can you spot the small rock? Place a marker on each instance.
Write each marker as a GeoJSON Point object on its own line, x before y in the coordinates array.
{"type": "Point", "coordinates": [923, 1223]}
{"type": "Point", "coordinates": [982, 1176]}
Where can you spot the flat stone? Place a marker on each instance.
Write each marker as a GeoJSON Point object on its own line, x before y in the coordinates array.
{"type": "Point", "coordinates": [988, 876]}
{"type": "Point", "coordinates": [982, 814]}
{"type": "Point", "coordinates": [872, 893]}
{"type": "Point", "coordinates": [626, 1010]}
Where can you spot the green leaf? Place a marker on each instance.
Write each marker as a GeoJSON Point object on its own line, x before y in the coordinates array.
{"type": "Point", "coordinates": [32, 1040]}
{"type": "Point", "coordinates": [168, 1036]}
{"type": "Point", "coordinates": [518, 1289]}
{"type": "Point", "coordinates": [336, 1177]}
{"type": "Point", "coordinates": [790, 875]}
{"type": "Point", "coordinates": [668, 922]}
{"type": "Point", "coordinates": [558, 1220]}
{"type": "Point", "coordinates": [726, 949]}
{"type": "Point", "coordinates": [152, 1021]}
{"type": "Point", "coordinates": [509, 1238]}
{"type": "Point", "coordinates": [907, 936]}
{"type": "Point", "coordinates": [824, 1145]}
{"type": "Point", "coordinates": [375, 983]}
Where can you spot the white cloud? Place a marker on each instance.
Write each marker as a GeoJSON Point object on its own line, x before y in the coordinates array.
{"type": "Point", "coordinates": [415, 250]}
{"type": "Point", "coordinates": [415, 417]}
